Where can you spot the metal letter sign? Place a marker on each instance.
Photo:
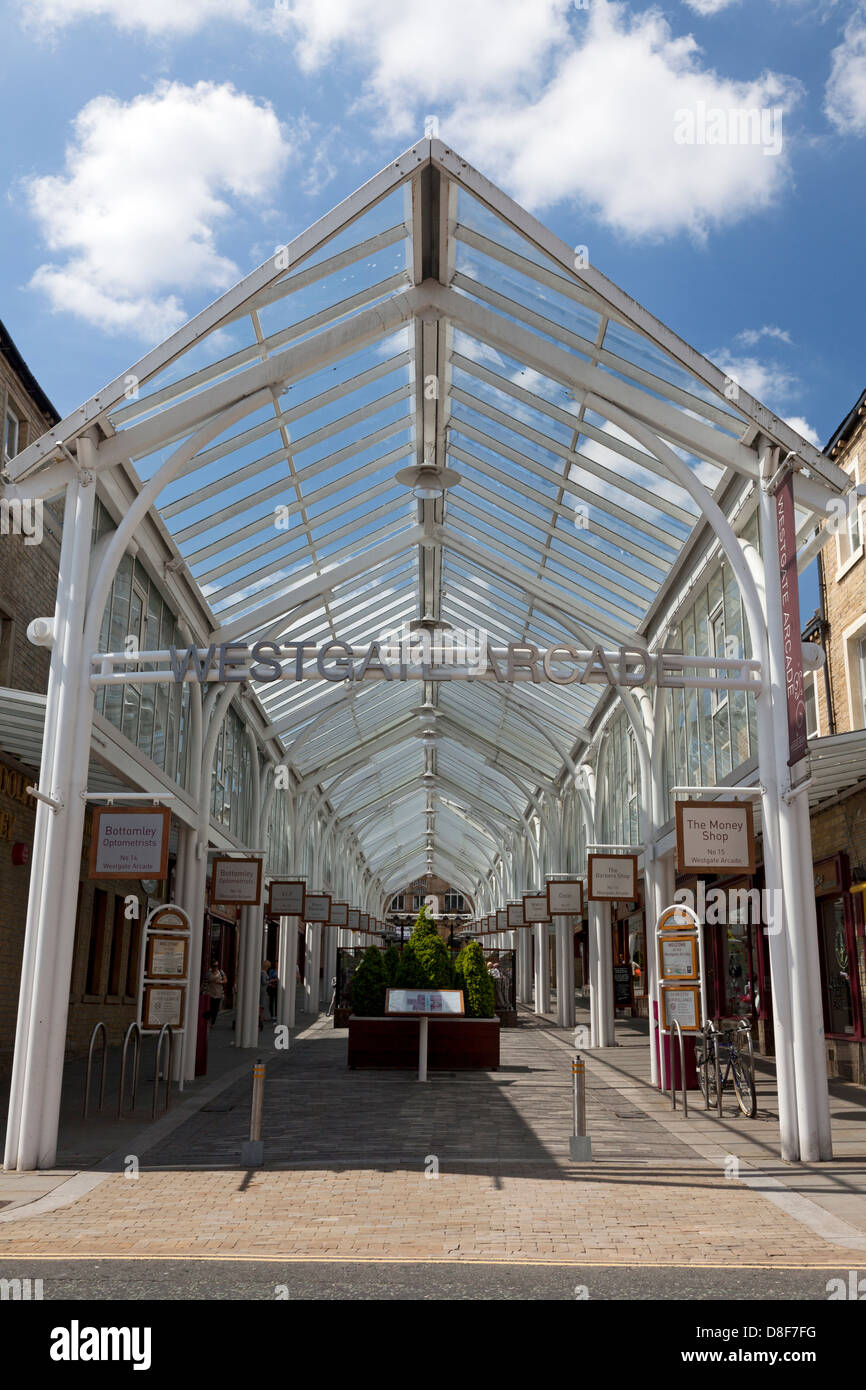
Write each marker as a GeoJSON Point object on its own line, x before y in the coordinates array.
{"type": "Point", "coordinates": [794, 692]}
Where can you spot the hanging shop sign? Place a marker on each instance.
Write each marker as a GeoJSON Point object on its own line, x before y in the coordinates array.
{"type": "Point", "coordinates": [432, 1002]}
{"type": "Point", "coordinates": [501, 919]}
{"type": "Point", "coordinates": [678, 957]}
{"type": "Point", "coordinates": [795, 690]}
{"type": "Point", "coordinates": [564, 897]}
{"type": "Point", "coordinates": [166, 957]}
{"type": "Point", "coordinates": [715, 837]}
{"type": "Point", "coordinates": [681, 1004]}
{"type": "Point", "coordinates": [163, 1004]}
{"type": "Point", "coordinates": [237, 881]}
{"type": "Point", "coordinates": [286, 897]}
{"type": "Point", "coordinates": [317, 907]}
{"type": "Point", "coordinates": [357, 919]}
{"type": "Point", "coordinates": [339, 915]}
{"type": "Point", "coordinates": [130, 842]}
{"type": "Point", "coordinates": [612, 878]}
{"type": "Point", "coordinates": [535, 908]}
{"type": "Point", "coordinates": [515, 915]}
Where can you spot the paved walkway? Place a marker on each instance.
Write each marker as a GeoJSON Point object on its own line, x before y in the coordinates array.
{"type": "Point", "coordinates": [372, 1165]}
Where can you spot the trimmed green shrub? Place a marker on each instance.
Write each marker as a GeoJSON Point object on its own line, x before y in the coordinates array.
{"type": "Point", "coordinates": [391, 962]}
{"type": "Point", "coordinates": [369, 985]}
{"type": "Point", "coordinates": [411, 971]}
{"type": "Point", "coordinates": [472, 976]}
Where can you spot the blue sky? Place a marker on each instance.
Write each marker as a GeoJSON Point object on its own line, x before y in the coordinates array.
{"type": "Point", "coordinates": [157, 152]}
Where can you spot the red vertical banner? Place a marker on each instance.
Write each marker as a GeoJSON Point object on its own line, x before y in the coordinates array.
{"type": "Point", "coordinates": [793, 655]}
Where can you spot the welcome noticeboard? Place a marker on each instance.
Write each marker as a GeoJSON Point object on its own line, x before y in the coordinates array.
{"type": "Point", "coordinates": [715, 837]}
{"type": "Point", "coordinates": [130, 842]}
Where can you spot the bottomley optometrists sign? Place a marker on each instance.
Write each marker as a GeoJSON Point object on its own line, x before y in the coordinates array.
{"type": "Point", "coordinates": [715, 837]}
{"type": "Point", "coordinates": [129, 843]}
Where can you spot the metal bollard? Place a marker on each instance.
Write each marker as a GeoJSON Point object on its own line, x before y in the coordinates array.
{"type": "Point", "coordinates": [253, 1150]}
{"type": "Point", "coordinates": [580, 1145]}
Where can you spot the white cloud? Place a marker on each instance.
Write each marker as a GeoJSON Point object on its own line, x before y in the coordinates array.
{"type": "Point", "coordinates": [708, 7]}
{"type": "Point", "coordinates": [750, 336]}
{"type": "Point", "coordinates": [845, 102]}
{"type": "Point", "coordinates": [413, 50]}
{"type": "Point", "coordinates": [766, 381]}
{"type": "Point", "coordinates": [153, 16]}
{"type": "Point", "coordinates": [805, 429]}
{"type": "Point", "coordinates": [136, 211]}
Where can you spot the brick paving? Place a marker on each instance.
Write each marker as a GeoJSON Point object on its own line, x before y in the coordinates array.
{"type": "Point", "coordinates": [350, 1159]}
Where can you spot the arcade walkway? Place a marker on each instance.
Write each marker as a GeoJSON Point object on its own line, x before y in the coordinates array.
{"type": "Point", "coordinates": [347, 1155]}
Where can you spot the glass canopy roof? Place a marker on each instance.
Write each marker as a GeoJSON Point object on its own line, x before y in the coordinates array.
{"type": "Point", "coordinates": [560, 528]}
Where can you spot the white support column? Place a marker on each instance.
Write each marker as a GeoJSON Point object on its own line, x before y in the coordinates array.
{"type": "Point", "coordinates": [311, 968]}
{"type": "Point", "coordinates": [794, 841]}
{"type": "Point", "coordinates": [542, 970]}
{"type": "Point", "coordinates": [564, 972]}
{"type": "Point", "coordinates": [524, 966]}
{"type": "Point", "coordinates": [600, 930]}
{"type": "Point", "coordinates": [287, 971]}
{"type": "Point", "coordinates": [40, 1039]}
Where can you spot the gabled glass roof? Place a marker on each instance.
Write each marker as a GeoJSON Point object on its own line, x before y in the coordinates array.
{"type": "Point", "coordinates": [427, 319]}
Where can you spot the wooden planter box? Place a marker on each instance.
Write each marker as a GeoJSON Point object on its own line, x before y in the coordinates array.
{"type": "Point", "coordinates": [454, 1044]}
{"type": "Point", "coordinates": [342, 1016]}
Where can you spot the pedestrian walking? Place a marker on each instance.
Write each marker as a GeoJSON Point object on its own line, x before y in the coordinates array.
{"type": "Point", "coordinates": [214, 987]}
{"type": "Point", "coordinates": [273, 982]}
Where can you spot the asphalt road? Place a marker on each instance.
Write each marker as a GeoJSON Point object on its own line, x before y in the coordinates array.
{"type": "Point", "coordinates": [97, 1280]}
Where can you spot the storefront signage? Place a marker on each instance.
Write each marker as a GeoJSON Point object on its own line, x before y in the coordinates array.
{"type": "Point", "coordinates": [681, 1004]}
{"type": "Point", "coordinates": [339, 915]}
{"type": "Point", "coordinates": [432, 1002]}
{"type": "Point", "coordinates": [715, 837]}
{"type": "Point", "coordinates": [163, 1004]}
{"type": "Point", "coordinates": [166, 957]}
{"type": "Point", "coordinates": [515, 915]}
{"type": "Point", "coordinates": [130, 842]}
{"type": "Point", "coordinates": [286, 897]}
{"type": "Point", "coordinates": [678, 957]}
{"type": "Point", "coordinates": [501, 919]}
{"type": "Point", "coordinates": [237, 881]}
{"type": "Point", "coordinates": [357, 919]}
{"type": "Point", "coordinates": [623, 996]}
{"type": "Point", "coordinates": [535, 908]}
{"type": "Point", "coordinates": [335, 660]}
{"type": "Point", "coordinates": [795, 693]}
{"type": "Point", "coordinates": [612, 878]}
{"type": "Point", "coordinates": [565, 897]}
{"type": "Point", "coordinates": [317, 907]}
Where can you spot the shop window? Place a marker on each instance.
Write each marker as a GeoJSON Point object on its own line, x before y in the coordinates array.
{"type": "Point", "coordinates": [7, 647]}
{"type": "Point", "coordinates": [849, 538]}
{"type": "Point", "coordinates": [11, 435]}
{"type": "Point", "coordinates": [96, 946]}
{"type": "Point", "coordinates": [837, 955]}
{"type": "Point", "coordinates": [115, 955]}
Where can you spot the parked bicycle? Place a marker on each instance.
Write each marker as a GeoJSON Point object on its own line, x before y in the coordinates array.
{"type": "Point", "coordinates": [724, 1053]}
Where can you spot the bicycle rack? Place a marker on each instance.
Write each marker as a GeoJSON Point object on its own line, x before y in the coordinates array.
{"type": "Point", "coordinates": [676, 1024]}
{"type": "Point", "coordinates": [88, 1073]}
{"type": "Point", "coordinates": [134, 1030]}
{"type": "Point", "coordinates": [164, 1030]}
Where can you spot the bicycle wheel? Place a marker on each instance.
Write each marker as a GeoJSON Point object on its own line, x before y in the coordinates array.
{"type": "Point", "coordinates": [744, 1085]}
{"type": "Point", "coordinates": [706, 1067]}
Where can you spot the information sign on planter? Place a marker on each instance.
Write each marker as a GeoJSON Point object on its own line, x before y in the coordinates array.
{"type": "Point", "coordinates": [286, 897]}
{"type": "Point", "coordinates": [435, 1003]}
{"type": "Point", "coordinates": [612, 878]}
{"type": "Point", "coordinates": [715, 837]}
{"type": "Point", "coordinates": [237, 881]}
{"type": "Point", "coordinates": [130, 842]}
{"type": "Point", "coordinates": [535, 908]}
{"type": "Point", "coordinates": [565, 897]}
{"type": "Point", "coordinates": [317, 907]}
{"type": "Point", "coordinates": [515, 915]}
